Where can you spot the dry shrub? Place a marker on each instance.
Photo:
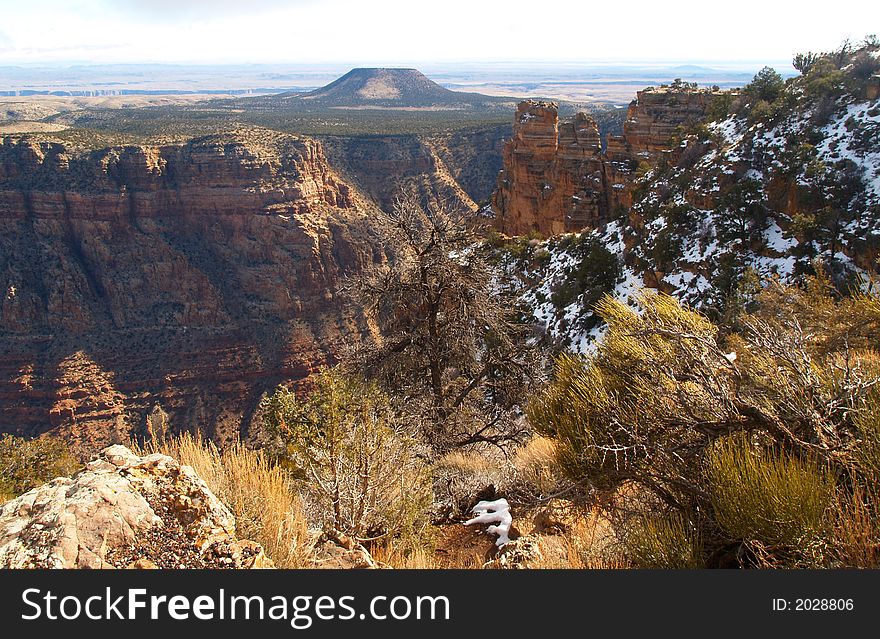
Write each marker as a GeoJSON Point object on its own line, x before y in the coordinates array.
{"type": "Point", "coordinates": [595, 543]}
{"type": "Point", "coordinates": [470, 462]}
{"type": "Point", "coordinates": [855, 539]}
{"type": "Point", "coordinates": [267, 510]}
{"type": "Point", "coordinates": [367, 472]}
{"type": "Point", "coordinates": [396, 557]}
{"type": "Point", "coordinates": [461, 476]}
{"type": "Point", "coordinates": [557, 553]}
{"type": "Point", "coordinates": [867, 454]}
{"type": "Point", "coordinates": [757, 432]}
{"type": "Point", "coordinates": [440, 547]}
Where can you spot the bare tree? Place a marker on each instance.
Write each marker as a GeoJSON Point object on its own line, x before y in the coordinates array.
{"type": "Point", "coordinates": [803, 62]}
{"type": "Point", "coordinates": [451, 349]}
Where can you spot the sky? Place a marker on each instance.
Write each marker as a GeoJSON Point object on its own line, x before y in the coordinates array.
{"type": "Point", "coordinates": [400, 32]}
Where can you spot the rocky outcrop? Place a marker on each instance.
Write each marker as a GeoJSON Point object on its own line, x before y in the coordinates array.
{"type": "Point", "coordinates": [656, 113]}
{"type": "Point", "coordinates": [217, 175]}
{"type": "Point", "coordinates": [522, 553]}
{"type": "Point", "coordinates": [124, 511]}
{"type": "Point", "coordinates": [193, 276]}
{"type": "Point", "coordinates": [556, 177]}
{"type": "Point", "coordinates": [535, 179]}
{"type": "Point", "coordinates": [336, 551]}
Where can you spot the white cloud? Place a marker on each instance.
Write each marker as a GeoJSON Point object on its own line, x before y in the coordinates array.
{"type": "Point", "coordinates": [399, 32]}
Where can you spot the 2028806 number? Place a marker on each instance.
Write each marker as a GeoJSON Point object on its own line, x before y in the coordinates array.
{"type": "Point", "coordinates": [823, 604]}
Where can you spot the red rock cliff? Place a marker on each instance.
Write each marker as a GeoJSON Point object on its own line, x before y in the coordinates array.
{"type": "Point", "coordinates": [556, 177]}
{"type": "Point", "coordinates": [552, 177]}
{"type": "Point", "coordinates": [194, 276]}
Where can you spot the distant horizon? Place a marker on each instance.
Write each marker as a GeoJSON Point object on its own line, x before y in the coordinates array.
{"type": "Point", "coordinates": [614, 81]}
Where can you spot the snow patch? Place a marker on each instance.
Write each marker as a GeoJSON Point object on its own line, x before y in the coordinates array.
{"type": "Point", "coordinates": [777, 241]}
{"type": "Point", "coordinates": [496, 513]}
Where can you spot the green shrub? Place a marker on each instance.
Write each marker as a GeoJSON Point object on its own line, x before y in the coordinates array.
{"type": "Point", "coordinates": [594, 274]}
{"type": "Point", "coordinates": [767, 85]}
{"type": "Point", "coordinates": [666, 249]}
{"type": "Point", "coordinates": [767, 495]}
{"type": "Point", "coordinates": [534, 235]}
{"type": "Point", "coordinates": [865, 64]}
{"type": "Point", "coordinates": [663, 406]}
{"type": "Point", "coordinates": [28, 463]}
{"type": "Point", "coordinates": [824, 80]}
{"type": "Point", "coordinates": [519, 248]}
{"type": "Point", "coordinates": [612, 414]}
{"type": "Point", "coordinates": [680, 85]}
{"type": "Point", "coordinates": [494, 239]}
{"type": "Point", "coordinates": [669, 542]}
{"type": "Point", "coordinates": [720, 107]}
{"type": "Point", "coordinates": [762, 112]}
{"type": "Point", "coordinates": [368, 474]}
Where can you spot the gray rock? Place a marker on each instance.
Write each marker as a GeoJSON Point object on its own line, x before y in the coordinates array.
{"type": "Point", "coordinates": [123, 510]}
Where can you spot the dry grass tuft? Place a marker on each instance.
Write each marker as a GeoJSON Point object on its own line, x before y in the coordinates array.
{"type": "Point", "coordinates": [768, 496]}
{"type": "Point", "coordinates": [536, 465]}
{"type": "Point", "coordinates": [415, 559]}
{"type": "Point", "coordinates": [855, 538]}
{"type": "Point", "coordinates": [267, 510]}
{"type": "Point", "coordinates": [469, 462]}
{"type": "Point", "coordinates": [668, 542]}
{"type": "Point", "coordinates": [594, 544]}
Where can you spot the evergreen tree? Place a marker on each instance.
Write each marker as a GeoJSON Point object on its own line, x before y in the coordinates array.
{"type": "Point", "coordinates": [767, 85]}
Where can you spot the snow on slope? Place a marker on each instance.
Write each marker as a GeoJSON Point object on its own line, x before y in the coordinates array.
{"type": "Point", "coordinates": [768, 197]}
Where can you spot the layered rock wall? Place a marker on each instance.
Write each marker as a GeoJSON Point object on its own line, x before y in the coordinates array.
{"type": "Point", "coordinates": [194, 276]}
{"type": "Point", "coordinates": [655, 114]}
{"type": "Point", "coordinates": [552, 178]}
{"type": "Point", "coordinates": [386, 167]}
{"type": "Point", "coordinates": [556, 177]}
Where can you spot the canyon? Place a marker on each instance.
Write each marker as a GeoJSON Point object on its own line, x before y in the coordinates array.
{"type": "Point", "coordinates": [175, 277]}
{"type": "Point", "coordinates": [186, 279]}
{"type": "Point", "coordinates": [456, 169]}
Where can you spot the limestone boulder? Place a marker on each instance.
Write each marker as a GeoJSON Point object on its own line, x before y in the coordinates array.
{"type": "Point", "coordinates": [124, 510]}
